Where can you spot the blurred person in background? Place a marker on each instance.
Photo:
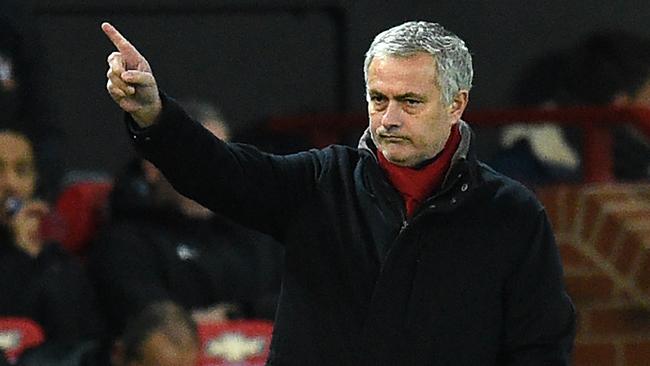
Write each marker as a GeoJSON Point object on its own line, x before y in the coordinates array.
{"type": "Point", "coordinates": [160, 245]}
{"type": "Point", "coordinates": [25, 101]}
{"type": "Point", "coordinates": [612, 68]}
{"type": "Point", "coordinates": [162, 334]}
{"type": "Point", "coordinates": [38, 279]}
{"type": "Point", "coordinates": [605, 68]}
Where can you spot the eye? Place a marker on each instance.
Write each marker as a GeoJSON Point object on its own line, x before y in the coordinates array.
{"type": "Point", "coordinates": [24, 170]}
{"type": "Point", "coordinates": [413, 102]}
{"type": "Point", "coordinates": [378, 101]}
{"type": "Point", "coordinates": [377, 98]}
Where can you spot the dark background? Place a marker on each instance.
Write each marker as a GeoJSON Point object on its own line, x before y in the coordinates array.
{"type": "Point", "coordinates": [258, 59]}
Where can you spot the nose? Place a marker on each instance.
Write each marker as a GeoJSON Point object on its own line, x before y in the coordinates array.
{"type": "Point", "coordinates": [391, 118]}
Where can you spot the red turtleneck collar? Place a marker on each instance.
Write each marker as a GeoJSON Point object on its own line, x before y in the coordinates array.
{"type": "Point", "coordinates": [416, 184]}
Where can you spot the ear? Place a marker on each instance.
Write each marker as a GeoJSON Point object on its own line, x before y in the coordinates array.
{"type": "Point", "coordinates": [458, 105]}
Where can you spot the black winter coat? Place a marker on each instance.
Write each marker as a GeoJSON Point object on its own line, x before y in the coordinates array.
{"type": "Point", "coordinates": [52, 289]}
{"type": "Point", "coordinates": [473, 278]}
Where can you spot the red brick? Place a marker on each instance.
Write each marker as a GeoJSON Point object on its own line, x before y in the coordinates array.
{"type": "Point", "coordinates": [591, 287]}
{"type": "Point", "coordinates": [594, 354]}
{"type": "Point", "coordinates": [590, 211]}
{"type": "Point", "coordinates": [637, 354]}
{"type": "Point", "coordinates": [643, 277]}
{"type": "Point", "coordinates": [631, 249]}
{"type": "Point", "coordinates": [570, 200]}
{"type": "Point", "coordinates": [621, 321]}
{"type": "Point", "coordinates": [549, 198]}
{"type": "Point", "coordinates": [572, 258]}
{"type": "Point", "coordinates": [561, 205]}
{"type": "Point", "coordinates": [606, 235]}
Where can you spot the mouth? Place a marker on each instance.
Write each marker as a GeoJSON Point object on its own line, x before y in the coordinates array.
{"type": "Point", "coordinates": [392, 138]}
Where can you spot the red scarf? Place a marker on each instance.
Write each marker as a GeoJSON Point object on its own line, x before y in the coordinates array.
{"type": "Point", "coordinates": [416, 184]}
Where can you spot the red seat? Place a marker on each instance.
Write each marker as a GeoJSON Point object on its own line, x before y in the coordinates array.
{"type": "Point", "coordinates": [239, 342]}
{"type": "Point", "coordinates": [80, 209]}
{"type": "Point", "coordinates": [19, 334]}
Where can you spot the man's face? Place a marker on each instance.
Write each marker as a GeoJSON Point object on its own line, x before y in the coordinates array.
{"type": "Point", "coordinates": [408, 121]}
{"type": "Point", "coordinates": [17, 167]}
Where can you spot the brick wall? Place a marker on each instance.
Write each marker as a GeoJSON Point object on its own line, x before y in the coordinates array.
{"type": "Point", "coordinates": [603, 233]}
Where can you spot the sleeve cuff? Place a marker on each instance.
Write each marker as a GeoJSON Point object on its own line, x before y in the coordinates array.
{"type": "Point", "coordinates": [140, 135]}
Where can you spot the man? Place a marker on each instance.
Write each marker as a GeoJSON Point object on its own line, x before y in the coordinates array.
{"type": "Point", "coordinates": [38, 280]}
{"type": "Point", "coordinates": [160, 245]}
{"type": "Point", "coordinates": [163, 334]}
{"type": "Point", "coordinates": [405, 251]}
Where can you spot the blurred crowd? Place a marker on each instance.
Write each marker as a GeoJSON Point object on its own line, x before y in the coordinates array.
{"type": "Point", "coordinates": [112, 270]}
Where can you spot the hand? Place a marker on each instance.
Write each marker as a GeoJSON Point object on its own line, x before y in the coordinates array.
{"type": "Point", "coordinates": [131, 83]}
{"type": "Point", "coordinates": [26, 224]}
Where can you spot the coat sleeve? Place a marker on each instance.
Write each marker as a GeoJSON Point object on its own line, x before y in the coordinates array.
{"type": "Point", "coordinates": [238, 181]}
{"type": "Point", "coordinates": [539, 316]}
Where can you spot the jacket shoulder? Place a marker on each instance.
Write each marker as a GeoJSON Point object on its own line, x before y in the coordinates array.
{"type": "Point", "coordinates": [507, 191]}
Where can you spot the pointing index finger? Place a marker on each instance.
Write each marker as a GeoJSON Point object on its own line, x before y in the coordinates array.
{"type": "Point", "coordinates": [128, 51]}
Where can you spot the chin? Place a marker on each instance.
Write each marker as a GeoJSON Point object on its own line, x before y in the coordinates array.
{"type": "Point", "coordinates": [397, 160]}
{"type": "Point", "coordinates": [394, 154]}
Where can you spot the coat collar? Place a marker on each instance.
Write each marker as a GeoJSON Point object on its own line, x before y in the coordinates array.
{"type": "Point", "coordinates": [463, 175]}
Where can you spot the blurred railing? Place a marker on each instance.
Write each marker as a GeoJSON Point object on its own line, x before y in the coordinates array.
{"type": "Point", "coordinates": [595, 122]}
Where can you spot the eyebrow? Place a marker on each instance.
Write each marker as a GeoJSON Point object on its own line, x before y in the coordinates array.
{"type": "Point", "coordinates": [400, 97]}
{"type": "Point", "coordinates": [410, 96]}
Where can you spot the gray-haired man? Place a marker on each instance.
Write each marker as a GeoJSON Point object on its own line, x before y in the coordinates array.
{"type": "Point", "coordinates": [403, 251]}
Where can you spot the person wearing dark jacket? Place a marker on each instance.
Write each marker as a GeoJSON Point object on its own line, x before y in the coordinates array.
{"type": "Point", "coordinates": [161, 246]}
{"type": "Point", "coordinates": [38, 279]}
{"type": "Point", "coordinates": [403, 251]}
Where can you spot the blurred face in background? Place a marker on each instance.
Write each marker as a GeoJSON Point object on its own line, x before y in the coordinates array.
{"type": "Point", "coordinates": [640, 98]}
{"type": "Point", "coordinates": [17, 169]}
{"type": "Point", "coordinates": [159, 350]}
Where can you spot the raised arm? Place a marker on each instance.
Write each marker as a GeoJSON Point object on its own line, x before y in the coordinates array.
{"type": "Point", "coordinates": [254, 188]}
{"type": "Point", "coordinates": [131, 83]}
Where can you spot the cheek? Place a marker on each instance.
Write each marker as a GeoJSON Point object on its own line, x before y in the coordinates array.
{"type": "Point", "coordinates": [374, 118]}
{"type": "Point", "coordinates": [373, 124]}
{"type": "Point", "coordinates": [433, 134]}
{"type": "Point", "coordinates": [27, 187]}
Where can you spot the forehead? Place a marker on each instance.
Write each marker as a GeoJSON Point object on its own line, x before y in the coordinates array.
{"type": "Point", "coordinates": [14, 147]}
{"type": "Point", "coordinates": [414, 73]}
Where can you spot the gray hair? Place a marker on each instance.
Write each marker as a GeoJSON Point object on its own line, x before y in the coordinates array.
{"type": "Point", "coordinates": [452, 58]}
